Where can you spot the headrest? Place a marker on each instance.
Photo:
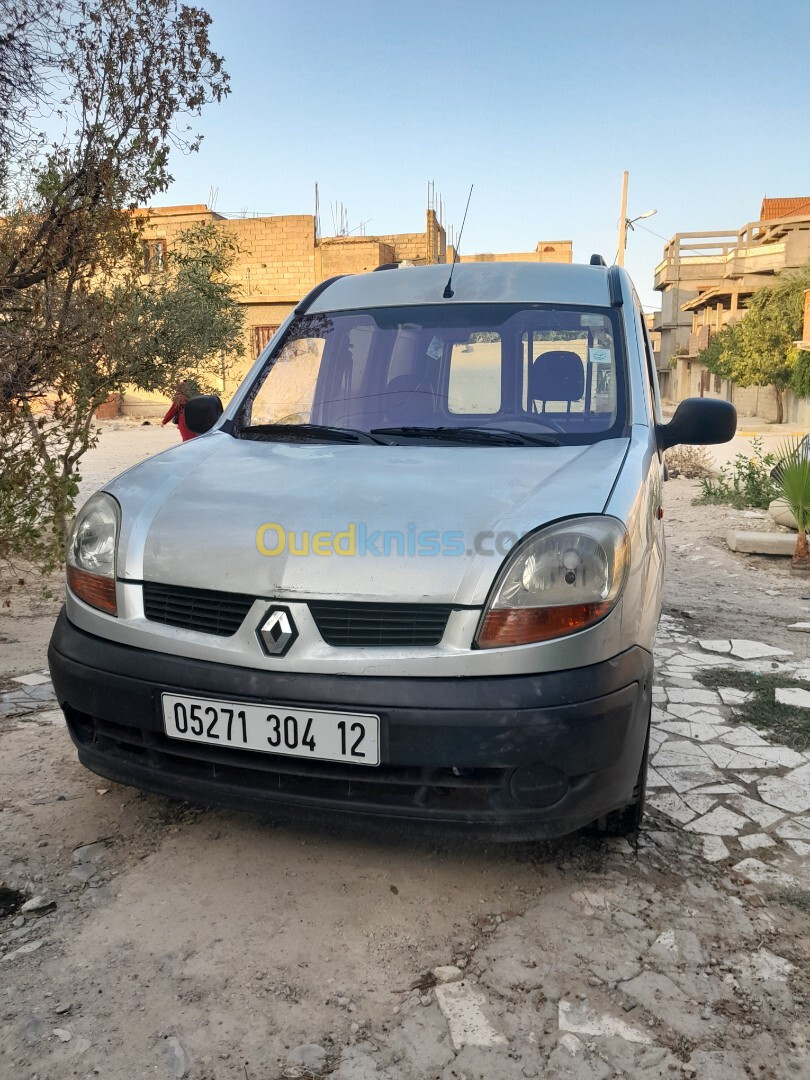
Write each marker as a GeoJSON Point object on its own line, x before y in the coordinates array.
{"type": "Point", "coordinates": [557, 376]}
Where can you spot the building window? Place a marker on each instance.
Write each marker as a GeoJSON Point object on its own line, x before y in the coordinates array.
{"type": "Point", "coordinates": [154, 255]}
{"type": "Point", "coordinates": [261, 336]}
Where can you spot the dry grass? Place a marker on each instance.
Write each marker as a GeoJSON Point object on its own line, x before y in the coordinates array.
{"type": "Point", "coordinates": [691, 462]}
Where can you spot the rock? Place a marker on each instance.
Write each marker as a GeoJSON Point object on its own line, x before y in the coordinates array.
{"type": "Point", "coordinates": [308, 1056]}
{"type": "Point", "coordinates": [761, 543]}
{"type": "Point", "coordinates": [65, 1007]}
{"type": "Point", "coordinates": [38, 905]}
{"type": "Point", "coordinates": [18, 922]}
{"type": "Point", "coordinates": [781, 513]}
{"type": "Point", "coordinates": [175, 1057]}
{"type": "Point", "coordinates": [24, 950]}
{"type": "Point", "coordinates": [62, 1034]}
{"type": "Point", "coordinates": [90, 852]}
{"type": "Point", "coordinates": [448, 973]}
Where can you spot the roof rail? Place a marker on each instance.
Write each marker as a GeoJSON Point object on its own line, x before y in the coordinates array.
{"type": "Point", "coordinates": [313, 294]}
{"type": "Point", "coordinates": [615, 287]}
{"type": "Point", "coordinates": [597, 260]}
{"type": "Point", "coordinates": [385, 266]}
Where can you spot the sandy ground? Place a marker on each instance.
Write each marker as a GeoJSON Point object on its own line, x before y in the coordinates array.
{"type": "Point", "coordinates": [188, 942]}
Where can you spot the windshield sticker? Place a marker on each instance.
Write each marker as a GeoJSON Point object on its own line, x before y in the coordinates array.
{"type": "Point", "coordinates": [435, 349]}
{"type": "Point", "coordinates": [600, 356]}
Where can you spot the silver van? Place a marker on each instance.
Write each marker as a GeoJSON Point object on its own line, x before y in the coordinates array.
{"type": "Point", "coordinates": [413, 570]}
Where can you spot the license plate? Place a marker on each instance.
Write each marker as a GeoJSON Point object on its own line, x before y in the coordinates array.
{"type": "Point", "coordinates": [274, 729]}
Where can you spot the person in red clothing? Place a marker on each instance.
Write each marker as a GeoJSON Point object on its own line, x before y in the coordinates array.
{"type": "Point", "coordinates": [184, 391]}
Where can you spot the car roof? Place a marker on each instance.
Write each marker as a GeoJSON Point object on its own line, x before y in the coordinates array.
{"type": "Point", "coordinates": [473, 283]}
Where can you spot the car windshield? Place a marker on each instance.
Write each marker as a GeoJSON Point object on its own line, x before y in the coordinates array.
{"type": "Point", "coordinates": [494, 374]}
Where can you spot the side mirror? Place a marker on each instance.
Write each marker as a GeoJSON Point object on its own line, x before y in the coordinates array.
{"type": "Point", "coordinates": [201, 413]}
{"type": "Point", "coordinates": [699, 422]}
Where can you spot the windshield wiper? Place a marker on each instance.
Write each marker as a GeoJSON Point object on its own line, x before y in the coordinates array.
{"type": "Point", "coordinates": [307, 433]}
{"type": "Point", "coordinates": [502, 436]}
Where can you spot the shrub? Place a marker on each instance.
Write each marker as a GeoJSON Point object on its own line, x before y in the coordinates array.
{"type": "Point", "coordinates": [744, 482]}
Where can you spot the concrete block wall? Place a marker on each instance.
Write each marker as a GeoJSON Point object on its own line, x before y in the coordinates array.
{"type": "Point", "coordinates": [352, 255]}
{"type": "Point", "coordinates": [547, 251]}
{"type": "Point", "coordinates": [280, 260]}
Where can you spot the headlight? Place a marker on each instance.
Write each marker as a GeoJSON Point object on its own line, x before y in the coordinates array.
{"type": "Point", "coordinates": [91, 552]}
{"type": "Point", "coordinates": [557, 581]}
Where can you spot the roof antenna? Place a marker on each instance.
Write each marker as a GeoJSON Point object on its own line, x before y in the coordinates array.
{"type": "Point", "coordinates": [448, 289]}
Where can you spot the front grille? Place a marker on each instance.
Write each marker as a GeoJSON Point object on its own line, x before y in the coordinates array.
{"type": "Point", "coordinates": [339, 623]}
{"type": "Point", "coordinates": [277, 778]}
{"type": "Point", "coordinates": [379, 624]}
{"type": "Point", "coordinates": [203, 610]}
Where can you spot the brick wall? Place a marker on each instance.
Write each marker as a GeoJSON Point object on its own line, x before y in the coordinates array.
{"type": "Point", "coordinates": [352, 255]}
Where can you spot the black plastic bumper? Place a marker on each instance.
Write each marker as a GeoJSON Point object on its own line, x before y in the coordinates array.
{"type": "Point", "coordinates": [523, 756]}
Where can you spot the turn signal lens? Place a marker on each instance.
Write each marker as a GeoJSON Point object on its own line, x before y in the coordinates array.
{"type": "Point", "coordinates": [98, 592]}
{"type": "Point", "coordinates": [520, 626]}
{"type": "Point", "coordinates": [557, 581]}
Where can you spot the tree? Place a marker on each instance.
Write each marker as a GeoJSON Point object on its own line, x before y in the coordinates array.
{"type": "Point", "coordinates": [760, 350]}
{"type": "Point", "coordinates": [722, 353]}
{"type": "Point", "coordinates": [150, 333]}
{"type": "Point", "coordinates": [114, 80]}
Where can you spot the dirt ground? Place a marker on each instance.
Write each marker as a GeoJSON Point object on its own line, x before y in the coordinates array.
{"type": "Point", "coordinates": [174, 941]}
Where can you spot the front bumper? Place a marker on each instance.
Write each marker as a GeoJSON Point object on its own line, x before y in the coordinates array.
{"type": "Point", "coordinates": [523, 757]}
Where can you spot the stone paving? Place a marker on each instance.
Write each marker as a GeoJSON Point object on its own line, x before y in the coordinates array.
{"type": "Point", "coordinates": [714, 775]}
{"type": "Point", "coordinates": [34, 692]}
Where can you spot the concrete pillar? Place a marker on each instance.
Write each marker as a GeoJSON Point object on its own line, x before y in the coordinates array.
{"type": "Point", "coordinates": [432, 239]}
{"type": "Point", "coordinates": [718, 318]}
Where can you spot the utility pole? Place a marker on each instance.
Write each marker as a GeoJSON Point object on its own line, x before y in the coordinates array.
{"type": "Point", "coordinates": [623, 221]}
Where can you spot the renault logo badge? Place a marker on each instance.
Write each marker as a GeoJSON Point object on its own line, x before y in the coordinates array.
{"type": "Point", "coordinates": [277, 631]}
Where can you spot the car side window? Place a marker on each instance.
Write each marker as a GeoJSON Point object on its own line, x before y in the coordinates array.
{"type": "Point", "coordinates": [656, 390]}
{"type": "Point", "coordinates": [653, 398]}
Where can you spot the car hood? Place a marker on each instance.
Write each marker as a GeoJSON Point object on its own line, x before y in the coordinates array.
{"type": "Point", "coordinates": [191, 515]}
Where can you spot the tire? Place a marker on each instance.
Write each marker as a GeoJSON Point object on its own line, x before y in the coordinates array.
{"type": "Point", "coordinates": [627, 819]}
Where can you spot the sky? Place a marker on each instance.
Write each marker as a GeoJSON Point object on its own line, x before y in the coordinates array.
{"type": "Point", "coordinates": [540, 105]}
